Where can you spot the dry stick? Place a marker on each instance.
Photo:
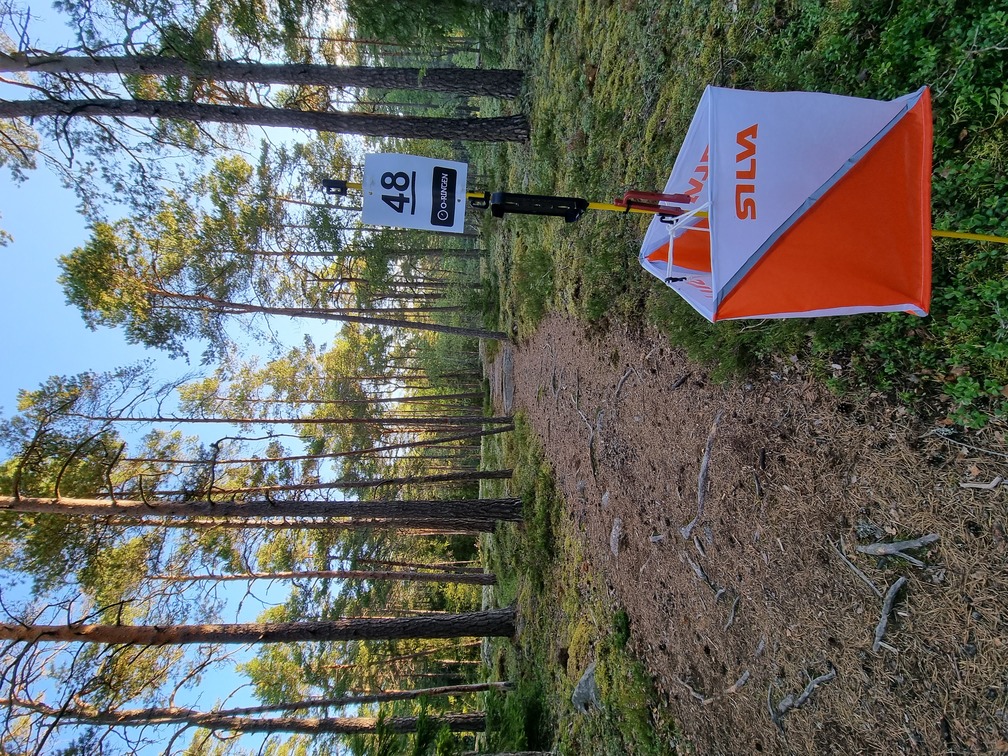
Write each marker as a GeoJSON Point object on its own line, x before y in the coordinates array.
{"type": "Point", "coordinates": [698, 570]}
{"type": "Point", "coordinates": [813, 684]}
{"type": "Point", "coordinates": [619, 386]}
{"type": "Point", "coordinates": [897, 548]}
{"type": "Point", "coordinates": [788, 703]}
{"type": "Point", "coordinates": [943, 437]}
{"type": "Point", "coordinates": [698, 696]}
{"type": "Point", "coordinates": [699, 547]}
{"type": "Point", "coordinates": [887, 605]}
{"type": "Point", "coordinates": [731, 614]}
{"type": "Point", "coordinates": [737, 686]}
{"type": "Point", "coordinates": [853, 567]}
{"type": "Point", "coordinates": [702, 478]}
{"type": "Point", "coordinates": [989, 486]}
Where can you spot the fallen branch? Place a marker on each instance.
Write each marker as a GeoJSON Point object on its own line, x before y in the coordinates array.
{"type": "Point", "coordinates": [737, 686]}
{"type": "Point", "coordinates": [942, 435]}
{"type": "Point", "coordinates": [731, 614]}
{"type": "Point", "coordinates": [789, 702]}
{"type": "Point", "coordinates": [854, 568]}
{"type": "Point", "coordinates": [898, 547]}
{"type": "Point", "coordinates": [680, 381]}
{"type": "Point", "coordinates": [702, 478]}
{"type": "Point", "coordinates": [619, 386]}
{"type": "Point", "coordinates": [887, 605]}
{"type": "Point", "coordinates": [699, 547]}
{"type": "Point", "coordinates": [697, 569]}
{"type": "Point", "coordinates": [989, 486]}
{"type": "Point", "coordinates": [813, 684]}
{"type": "Point", "coordinates": [698, 696]}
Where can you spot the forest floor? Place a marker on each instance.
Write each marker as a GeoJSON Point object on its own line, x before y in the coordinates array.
{"type": "Point", "coordinates": [735, 619]}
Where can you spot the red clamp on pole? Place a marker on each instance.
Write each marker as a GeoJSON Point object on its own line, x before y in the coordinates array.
{"type": "Point", "coordinates": [649, 201]}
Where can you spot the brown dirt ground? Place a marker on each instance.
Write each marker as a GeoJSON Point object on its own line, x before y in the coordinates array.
{"type": "Point", "coordinates": [625, 414]}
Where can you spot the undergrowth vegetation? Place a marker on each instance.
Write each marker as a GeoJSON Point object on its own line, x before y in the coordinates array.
{"type": "Point", "coordinates": [612, 90]}
{"type": "Point", "coordinates": [569, 622]}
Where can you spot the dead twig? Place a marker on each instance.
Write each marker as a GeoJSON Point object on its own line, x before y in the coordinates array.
{"type": "Point", "coordinates": [619, 386]}
{"type": "Point", "coordinates": [731, 613]}
{"type": "Point", "coordinates": [699, 547]}
{"type": "Point", "coordinates": [989, 486]}
{"type": "Point", "coordinates": [813, 684]}
{"type": "Point", "coordinates": [702, 478]}
{"type": "Point", "coordinates": [698, 696]}
{"type": "Point", "coordinates": [697, 569]}
{"type": "Point", "coordinates": [887, 605]}
{"type": "Point", "coordinates": [944, 437]}
{"type": "Point", "coordinates": [897, 548]}
{"type": "Point", "coordinates": [737, 686]}
{"type": "Point", "coordinates": [789, 702]}
{"type": "Point", "coordinates": [854, 568]}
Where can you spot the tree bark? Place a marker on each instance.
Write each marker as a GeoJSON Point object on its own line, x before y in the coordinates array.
{"type": "Point", "coordinates": [492, 622]}
{"type": "Point", "coordinates": [417, 513]}
{"type": "Point", "coordinates": [335, 455]}
{"type": "Point", "coordinates": [513, 128]}
{"type": "Point", "coordinates": [467, 578]}
{"type": "Point", "coordinates": [466, 722]}
{"type": "Point", "coordinates": [397, 421]}
{"type": "Point", "coordinates": [465, 476]}
{"type": "Point", "coordinates": [465, 81]}
{"type": "Point", "coordinates": [225, 307]}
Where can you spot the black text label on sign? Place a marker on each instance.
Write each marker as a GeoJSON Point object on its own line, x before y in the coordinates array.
{"type": "Point", "coordinates": [443, 196]}
{"type": "Point", "coordinates": [400, 181]}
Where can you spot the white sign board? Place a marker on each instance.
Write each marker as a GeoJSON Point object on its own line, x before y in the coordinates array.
{"type": "Point", "coordinates": [407, 191]}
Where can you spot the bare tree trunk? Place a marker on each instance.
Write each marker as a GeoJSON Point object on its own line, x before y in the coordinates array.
{"type": "Point", "coordinates": [465, 476]}
{"type": "Point", "coordinates": [493, 622]}
{"type": "Point", "coordinates": [469, 722]}
{"type": "Point", "coordinates": [466, 578]}
{"type": "Point", "coordinates": [465, 81]}
{"type": "Point", "coordinates": [497, 129]}
{"type": "Point", "coordinates": [415, 513]}
{"type": "Point", "coordinates": [334, 455]}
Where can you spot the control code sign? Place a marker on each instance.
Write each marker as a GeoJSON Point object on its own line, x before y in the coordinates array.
{"type": "Point", "coordinates": [414, 192]}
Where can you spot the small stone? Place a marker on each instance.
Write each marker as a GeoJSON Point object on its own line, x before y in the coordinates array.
{"type": "Point", "coordinates": [616, 536]}
{"type": "Point", "coordinates": [586, 692]}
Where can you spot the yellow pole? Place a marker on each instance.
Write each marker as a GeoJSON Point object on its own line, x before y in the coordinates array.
{"type": "Point", "coordinates": [973, 237]}
{"type": "Point", "coordinates": [607, 207]}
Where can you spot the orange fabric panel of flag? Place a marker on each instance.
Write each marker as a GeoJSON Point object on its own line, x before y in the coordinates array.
{"type": "Point", "coordinates": [691, 250]}
{"type": "Point", "coordinates": [867, 241]}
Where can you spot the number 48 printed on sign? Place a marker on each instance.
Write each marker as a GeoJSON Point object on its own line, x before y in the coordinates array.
{"type": "Point", "coordinates": [406, 191]}
{"type": "Point", "coordinates": [400, 181]}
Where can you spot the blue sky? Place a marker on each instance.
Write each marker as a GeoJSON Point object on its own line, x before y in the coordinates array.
{"type": "Point", "coordinates": [40, 334]}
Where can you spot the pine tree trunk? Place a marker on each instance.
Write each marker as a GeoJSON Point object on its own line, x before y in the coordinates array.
{"type": "Point", "coordinates": [335, 455]}
{"type": "Point", "coordinates": [465, 476]}
{"type": "Point", "coordinates": [493, 622]}
{"type": "Point", "coordinates": [416, 513]}
{"type": "Point", "coordinates": [466, 578]}
{"type": "Point", "coordinates": [464, 81]}
{"type": "Point", "coordinates": [498, 129]}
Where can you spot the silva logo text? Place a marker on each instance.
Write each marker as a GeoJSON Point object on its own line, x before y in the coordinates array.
{"type": "Point", "coordinates": [699, 177]}
{"type": "Point", "coordinates": [745, 174]}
